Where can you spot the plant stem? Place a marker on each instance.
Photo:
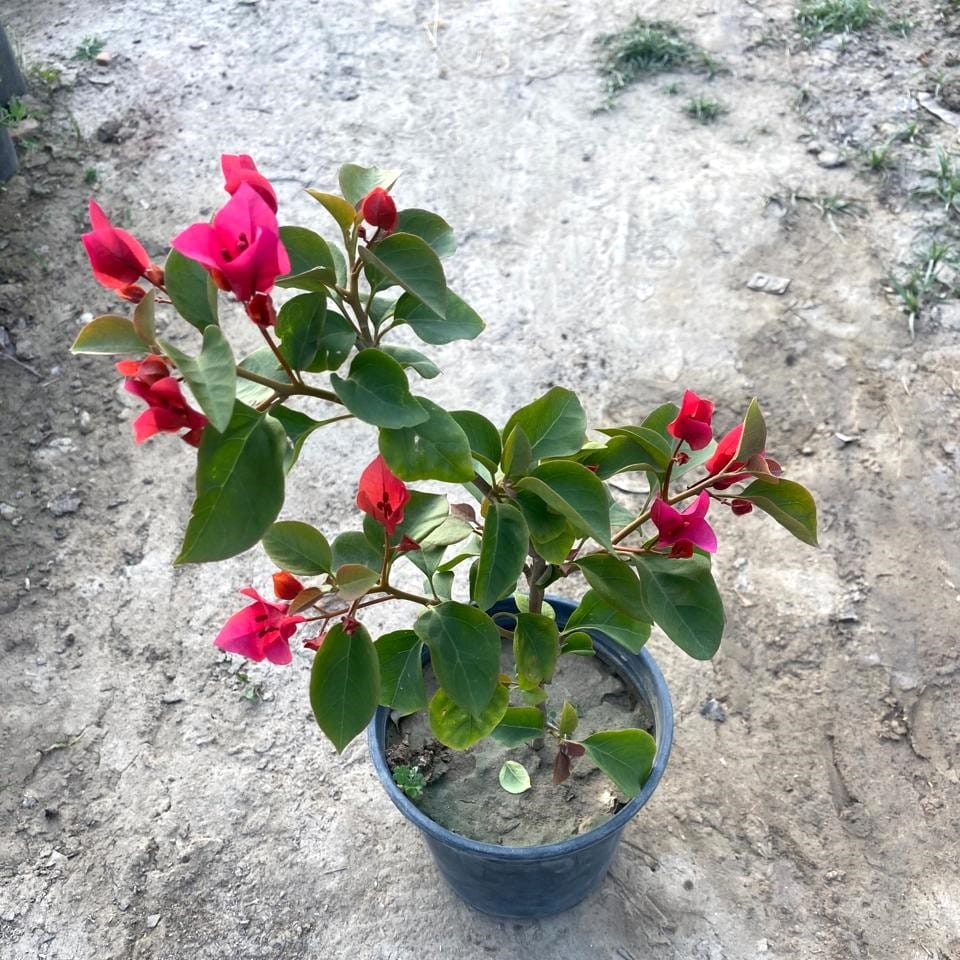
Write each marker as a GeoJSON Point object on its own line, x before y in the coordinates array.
{"type": "Point", "coordinates": [281, 359]}
{"type": "Point", "coordinates": [288, 389]}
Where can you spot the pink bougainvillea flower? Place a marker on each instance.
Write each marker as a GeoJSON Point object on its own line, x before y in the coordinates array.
{"type": "Point", "coordinates": [167, 409]}
{"type": "Point", "coordinates": [118, 258]}
{"type": "Point", "coordinates": [285, 585]}
{"type": "Point", "coordinates": [722, 462]}
{"type": "Point", "coordinates": [260, 631]}
{"type": "Point", "coordinates": [241, 248]}
{"type": "Point", "coordinates": [379, 210]}
{"type": "Point", "coordinates": [241, 169]}
{"type": "Point", "coordinates": [146, 371]}
{"type": "Point", "coordinates": [382, 495]}
{"type": "Point", "coordinates": [693, 421]}
{"type": "Point", "coordinates": [684, 526]}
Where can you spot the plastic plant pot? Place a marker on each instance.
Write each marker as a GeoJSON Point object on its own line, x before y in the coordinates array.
{"type": "Point", "coordinates": [8, 156]}
{"type": "Point", "coordinates": [537, 881]}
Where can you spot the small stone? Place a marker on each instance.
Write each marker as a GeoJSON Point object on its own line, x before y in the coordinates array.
{"type": "Point", "coordinates": [85, 421]}
{"type": "Point", "coordinates": [807, 451]}
{"type": "Point", "coordinates": [109, 132]}
{"type": "Point", "coordinates": [7, 512]}
{"type": "Point", "coordinates": [152, 920]}
{"type": "Point", "coordinates": [713, 709]}
{"type": "Point", "coordinates": [100, 81]}
{"type": "Point", "coordinates": [198, 44]}
{"type": "Point", "coordinates": [102, 59]}
{"type": "Point", "coordinates": [830, 159]}
{"type": "Point", "coordinates": [172, 697]}
{"type": "Point", "coordinates": [767, 283]}
{"type": "Point", "coordinates": [66, 503]}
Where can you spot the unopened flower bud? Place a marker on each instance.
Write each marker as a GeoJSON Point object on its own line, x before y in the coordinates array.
{"type": "Point", "coordinates": [132, 292]}
{"type": "Point", "coordinates": [740, 507]}
{"type": "Point", "coordinates": [154, 274]}
{"type": "Point", "coordinates": [379, 210]}
{"type": "Point", "coordinates": [285, 585]}
{"type": "Point", "coordinates": [261, 310]}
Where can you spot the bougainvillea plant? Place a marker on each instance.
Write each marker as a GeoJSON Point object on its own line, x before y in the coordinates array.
{"type": "Point", "coordinates": [533, 504]}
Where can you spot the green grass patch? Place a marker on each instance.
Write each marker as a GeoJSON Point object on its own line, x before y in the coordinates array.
{"type": "Point", "coordinates": [819, 17]}
{"type": "Point", "coordinates": [703, 109]}
{"type": "Point", "coordinates": [88, 48]}
{"type": "Point", "coordinates": [648, 47]}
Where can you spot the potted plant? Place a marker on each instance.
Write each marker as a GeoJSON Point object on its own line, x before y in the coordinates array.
{"type": "Point", "coordinates": [479, 661]}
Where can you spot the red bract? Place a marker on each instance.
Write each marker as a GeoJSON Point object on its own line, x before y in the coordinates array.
{"type": "Point", "coordinates": [241, 169]}
{"type": "Point", "coordinates": [407, 544]}
{"type": "Point", "coordinates": [262, 311]}
{"type": "Point", "coordinates": [684, 527]}
{"type": "Point", "coordinates": [261, 631]}
{"type": "Point", "coordinates": [382, 495]}
{"type": "Point", "coordinates": [722, 461]}
{"type": "Point", "coordinates": [241, 248]}
{"type": "Point", "coordinates": [117, 258]}
{"type": "Point", "coordinates": [146, 371]}
{"type": "Point", "coordinates": [168, 411]}
{"type": "Point", "coordinates": [740, 507]}
{"type": "Point", "coordinates": [379, 210]}
{"type": "Point", "coordinates": [285, 585]}
{"type": "Point", "coordinates": [315, 642]}
{"type": "Point", "coordinates": [693, 421]}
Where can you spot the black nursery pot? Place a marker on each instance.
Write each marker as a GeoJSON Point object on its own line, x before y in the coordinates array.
{"type": "Point", "coordinates": [537, 881]}
{"type": "Point", "coordinates": [8, 156]}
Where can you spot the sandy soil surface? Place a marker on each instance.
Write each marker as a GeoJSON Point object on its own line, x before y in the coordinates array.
{"type": "Point", "coordinates": [150, 808]}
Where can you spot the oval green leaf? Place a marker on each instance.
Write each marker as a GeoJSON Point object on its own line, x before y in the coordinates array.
{"type": "Point", "coordinates": [616, 582]}
{"type": "Point", "coordinates": [356, 181]}
{"type": "Point", "coordinates": [536, 644]}
{"type": "Point", "coordinates": [465, 653]}
{"type": "Point", "coordinates": [625, 756]}
{"type": "Point", "coordinates": [436, 449]}
{"type": "Point", "coordinates": [109, 334]}
{"type": "Point", "coordinates": [683, 600]}
{"type": "Point", "coordinates": [503, 550]}
{"type": "Point", "coordinates": [514, 777]}
{"type": "Point", "coordinates": [239, 487]}
{"type": "Point", "coordinates": [555, 424]}
{"type": "Point", "coordinates": [408, 261]}
{"type": "Point", "coordinates": [429, 227]}
{"type": "Point", "coordinates": [212, 376]}
{"type": "Point", "coordinates": [458, 322]}
{"type": "Point", "coordinates": [345, 684]}
{"type": "Point", "coordinates": [789, 503]}
{"type": "Point", "coordinates": [192, 290]}
{"type": "Point", "coordinates": [312, 266]}
{"type": "Point", "coordinates": [337, 207]}
{"type": "Point", "coordinates": [458, 729]}
{"type": "Point", "coordinates": [376, 391]}
{"type": "Point", "coordinates": [519, 724]}
{"type": "Point", "coordinates": [298, 547]}
{"type": "Point", "coordinates": [595, 613]}
{"type": "Point", "coordinates": [401, 672]}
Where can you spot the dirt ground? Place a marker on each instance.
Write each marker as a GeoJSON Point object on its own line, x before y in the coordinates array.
{"type": "Point", "coordinates": [158, 802]}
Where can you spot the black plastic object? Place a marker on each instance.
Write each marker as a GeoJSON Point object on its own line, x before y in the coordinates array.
{"type": "Point", "coordinates": [529, 882]}
{"type": "Point", "coordinates": [11, 85]}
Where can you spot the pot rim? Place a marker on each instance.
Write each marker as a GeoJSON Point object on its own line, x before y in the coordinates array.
{"type": "Point", "coordinates": [610, 652]}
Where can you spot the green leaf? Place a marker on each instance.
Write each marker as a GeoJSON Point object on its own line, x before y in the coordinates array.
{"type": "Point", "coordinates": [789, 503]}
{"type": "Point", "coordinates": [335, 342]}
{"type": "Point", "coordinates": [297, 426]}
{"type": "Point", "coordinates": [144, 318]}
{"type": "Point", "coordinates": [376, 391]}
{"type": "Point", "coordinates": [401, 672]}
{"type": "Point", "coordinates": [555, 424]}
{"type": "Point", "coordinates": [522, 601]}
{"type": "Point", "coordinates": [354, 580]}
{"type": "Point", "coordinates": [408, 261]}
{"type": "Point", "coordinates": [578, 643]}
{"type": "Point", "coordinates": [263, 362]}
{"type": "Point", "coordinates": [754, 436]}
{"type": "Point", "coordinates": [621, 454]}
{"type": "Point", "coordinates": [594, 613]}
{"type": "Point", "coordinates": [483, 436]}
{"type": "Point", "coordinates": [408, 357]}
{"type": "Point", "coordinates": [459, 321]}
{"type": "Point", "coordinates": [536, 644]}
{"type": "Point", "coordinates": [353, 547]}
{"type": "Point", "coordinates": [684, 601]}
{"type": "Point", "coordinates": [456, 728]}
{"type": "Point", "coordinates": [625, 756]}
{"type": "Point", "coordinates": [298, 547]}
{"type": "Point", "coordinates": [514, 777]}
{"type": "Point", "coordinates": [429, 227]}
{"type": "Point", "coordinates": [659, 418]}
{"type": "Point", "coordinates": [239, 487]}
{"type": "Point", "coordinates": [465, 652]}
{"type": "Point", "coordinates": [356, 181]}
{"type": "Point", "coordinates": [517, 453]}
{"type": "Point", "coordinates": [192, 290]}
{"type": "Point", "coordinates": [436, 449]}
{"type": "Point", "coordinates": [616, 583]}
{"type": "Point", "coordinates": [345, 684]}
{"type": "Point", "coordinates": [422, 514]}
{"type": "Point", "coordinates": [503, 550]}
{"type": "Point", "coordinates": [452, 530]}
{"type": "Point", "coordinates": [519, 724]}
{"type": "Point", "coordinates": [647, 442]}
{"type": "Point", "coordinates": [300, 325]}
{"type": "Point", "coordinates": [572, 490]}
{"type": "Point", "coordinates": [212, 376]}
{"type": "Point", "coordinates": [109, 334]}
{"type": "Point", "coordinates": [534, 696]}
{"type": "Point", "coordinates": [568, 720]}
{"type": "Point", "coordinates": [312, 266]}
{"type": "Point", "coordinates": [337, 207]}
{"type": "Point", "coordinates": [550, 532]}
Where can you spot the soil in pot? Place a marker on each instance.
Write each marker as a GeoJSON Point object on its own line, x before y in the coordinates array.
{"type": "Point", "coordinates": [463, 791]}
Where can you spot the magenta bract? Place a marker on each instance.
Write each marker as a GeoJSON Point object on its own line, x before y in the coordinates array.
{"type": "Point", "coordinates": [688, 526]}
{"type": "Point", "coordinates": [382, 495]}
{"type": "Point", "coordinates": [261, 631]}
{"type": "Point", "coordinates": [118, 259]}
{"type": "Point", "coordinates": [693, 421]}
